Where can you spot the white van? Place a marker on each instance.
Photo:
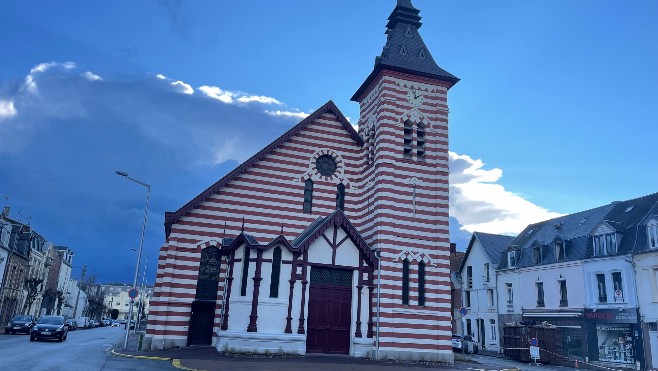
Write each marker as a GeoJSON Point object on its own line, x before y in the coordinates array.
{"type": "Point", "coordinates": [83, 322]}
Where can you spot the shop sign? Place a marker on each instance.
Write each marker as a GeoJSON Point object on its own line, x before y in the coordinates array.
{"type": "Point", "coordinates": [611, 315]}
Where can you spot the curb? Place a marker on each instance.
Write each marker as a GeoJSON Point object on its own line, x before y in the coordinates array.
{"type": "Point", "coordinates": [174, 361]}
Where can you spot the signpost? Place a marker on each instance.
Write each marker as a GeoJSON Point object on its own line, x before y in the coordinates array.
{"type": "Point", "coordinates": [133, 293]}
{"type": "Point", "coordinates": [534, 351]}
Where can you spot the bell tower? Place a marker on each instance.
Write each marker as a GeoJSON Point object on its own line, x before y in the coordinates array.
{"type": "Point", "coordinates": [404, 123]}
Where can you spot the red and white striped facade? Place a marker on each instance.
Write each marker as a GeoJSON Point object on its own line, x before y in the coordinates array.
{"type": "Point", "coordinates": [397, 205]}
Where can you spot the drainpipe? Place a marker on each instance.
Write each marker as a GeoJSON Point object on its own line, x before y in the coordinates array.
{"type": "Point", "coordinates": [379, 285]}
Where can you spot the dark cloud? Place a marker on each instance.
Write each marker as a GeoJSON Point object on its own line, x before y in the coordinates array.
{"type": "Point", "coordinates": [59, 153]}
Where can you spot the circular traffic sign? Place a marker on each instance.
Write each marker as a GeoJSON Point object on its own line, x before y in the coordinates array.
{"type": "Point", "coordinates": [133, 293]}
{"type": "Point", "coordinates": [463, 311]}
{"type": "Point", "coordinates": [534, 342]}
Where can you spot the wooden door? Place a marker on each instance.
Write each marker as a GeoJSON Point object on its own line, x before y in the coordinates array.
{"type": "Point", "coordinates": [201, 323]}
{"type": "Point", "coordinates": [329, 311]}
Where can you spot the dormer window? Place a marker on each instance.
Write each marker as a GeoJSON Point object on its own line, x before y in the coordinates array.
{"type": "Point", "coordinates": [652, 234]}
{"type": "Point", "coordinates": [559, 251]}
{"type": "Point", "coordinates": [605, 244]}
{"type": "Point", "coordinates": [511, 259]}
{"type": "Point", "coordinates": [536, 254]}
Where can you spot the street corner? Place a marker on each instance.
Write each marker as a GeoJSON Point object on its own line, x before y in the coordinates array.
{"type": "Point", "coordinates": [136, 356]}
{"type": "Point", "coordinates": [177, 363]}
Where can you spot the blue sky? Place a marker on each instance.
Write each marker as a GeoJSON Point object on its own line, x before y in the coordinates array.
{"type": "Point", "coordinates": [555, 112]}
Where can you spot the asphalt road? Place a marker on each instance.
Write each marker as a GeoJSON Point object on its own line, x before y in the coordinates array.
{"type": "Point", "coordinates": [84, 350]}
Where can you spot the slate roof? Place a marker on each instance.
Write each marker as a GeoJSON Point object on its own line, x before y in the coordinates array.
{"type": "Point", "coordinates": [628, 218]}
{"type": "Point", "coordinates": [405, 50]}
{"type": "Point", "coordinates": [492, 244]}
{"type": "Point", "coordinates": [173, 217]}
{"type": "Point", "coordinates": [456, 261]}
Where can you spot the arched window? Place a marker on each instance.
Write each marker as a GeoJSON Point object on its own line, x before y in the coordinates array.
{"type": "Point", "coordinates": [421, 283]}
{"type": "Point", "coordinates": [408, 139]}
{"type": "Point", "coordinates": [245, 272]}
{"type": "Point", "coordinates": [276, 272]}
{"type": "Point", "coordinates": [405, 282]}
{"type": "Point", "coordinates": [308, 196]}
{"type": "Point", "coordinates": [208, 278]}
{"type": "Point", "coordinates": [340, 197]}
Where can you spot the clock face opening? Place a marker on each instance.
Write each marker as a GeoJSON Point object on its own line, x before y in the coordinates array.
{"type": "Point", "coordinates": [326, 165]}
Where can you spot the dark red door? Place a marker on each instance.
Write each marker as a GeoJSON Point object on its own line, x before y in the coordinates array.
{"type": "Point", "coordinates": [329, 311]}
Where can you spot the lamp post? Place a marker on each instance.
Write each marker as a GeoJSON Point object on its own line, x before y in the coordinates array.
{"type": "Point", "coordinates": [139, 252]}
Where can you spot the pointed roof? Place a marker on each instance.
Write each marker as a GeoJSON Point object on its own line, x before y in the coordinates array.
{"type": "Point", "coordinates": [405, 50]}
{"type": "Point", "coordinates": [173, 217]}
{"type": "Point", "coordinates": [492, 244]}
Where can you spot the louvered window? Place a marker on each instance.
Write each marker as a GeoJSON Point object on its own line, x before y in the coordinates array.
{"type": "Point", "coordinates": [276, 272]}
{"type": "Point", "coordinates": [405, 282]}
{"type": "Point", "coordinates": [245, 272]}
{"type": "Point", "coordinates": [408, 139]}
{"type": "Point", "coordinates": [308, 196]}
{"type": "Point", "coordinates": [421, 283]}
{"type": "Point", "coordinates": [420, 142]}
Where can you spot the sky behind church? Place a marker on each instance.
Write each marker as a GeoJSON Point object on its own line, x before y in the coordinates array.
{"type": "Point", "coordinates": [555, 112]}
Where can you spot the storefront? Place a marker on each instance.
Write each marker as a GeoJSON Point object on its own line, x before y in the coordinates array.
{"type": "Point", "coordinates": [571, 340]}
{"type": "Point", "coordinates": [613, 335]}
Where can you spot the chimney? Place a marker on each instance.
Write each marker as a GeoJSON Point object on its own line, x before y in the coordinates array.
{"type": "Point", "coordinates": [453, 248]}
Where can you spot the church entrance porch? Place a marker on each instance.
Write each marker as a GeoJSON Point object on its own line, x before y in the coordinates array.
{"type": "Point", "coordinates": [329, 311]}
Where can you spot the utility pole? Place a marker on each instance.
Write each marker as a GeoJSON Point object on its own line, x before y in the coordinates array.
{"type": "Point", "coordinates": [82, 277]}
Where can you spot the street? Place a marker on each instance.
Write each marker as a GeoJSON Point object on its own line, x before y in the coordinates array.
{"type": "Point", "coordinates": [84, 350]}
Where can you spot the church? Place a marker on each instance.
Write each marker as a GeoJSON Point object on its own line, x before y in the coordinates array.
{"type": "Point", "coordinates": [330, 239]}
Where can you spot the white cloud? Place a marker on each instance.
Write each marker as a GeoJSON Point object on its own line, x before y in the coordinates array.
{"type": "Point", "coordinates": [228, 150]}
{"type": "Point", "coordinates": [91, 76]}
{"type": "Point", "coordinates": [182, 87]}
{"type": "Point", "coordinates": [161, 76]}
{"type": "Point", "coordinates": [259, 99]}
{"type": "Point", "coordinates": [480, 204]}
{"type": "Point", "coordinates": [7, 109]}
{"type": "Point", "coordinates": [301, 115]}
{"type": "Point", "coordinates": [217, 93]}
{"type": "Point", "coordinates": [31, 85]}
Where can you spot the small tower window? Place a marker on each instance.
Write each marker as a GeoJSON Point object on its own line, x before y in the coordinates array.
{"type": "Point", "coordinates": [408, 139]}
{"type": "Point", "coordinates": [421, 283]}
{"type": "Point", "coordinates": [405, 282]}
{"type": "Point", "coordinates": [276, 270]}
{"type": "Point", "coordinates": [340, 197]}
{"type": "Point", "coordinates": [308, 196]}
{"type": "Point", "coordinates": [245, 272]}
{"type": "Point", "coordinates": [420, 141]}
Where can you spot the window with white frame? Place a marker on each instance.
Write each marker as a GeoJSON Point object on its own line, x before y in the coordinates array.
{"type": "Point", "coordinates": [510, 293]}
{"type": "Point", "coordinates": [559, 251]}
{"type": "Point", "coordinates": [564, 301]}
{"type": "Point", "coordinates": [540, 293]}
{"type": "Point", "coordinates": [492, 323]}
{"type": "Point", "coordinates": [600, 285]}
{"type": "Point", "coordinates": [652, 234]}
{"type": "Point", "coordinates": [605, 244]}
{"type": "Point", "coordinates": [467, 299]}
{"type": "Point", "coordinates": [536, 254]}
{"type": "Point", "coordinates": [511, 259]}
{"type": "Point", "coordinates": [618, 287]}
{"type": "Point", "coordinates": [490, 293]}
{"type": "Point", "coordinates": [486, 272]}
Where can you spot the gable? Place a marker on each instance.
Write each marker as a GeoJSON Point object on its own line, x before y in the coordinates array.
{"type": "Point", "coordinates": [603, 228]}
{"type": "Point", "coordinates": [270, 174]}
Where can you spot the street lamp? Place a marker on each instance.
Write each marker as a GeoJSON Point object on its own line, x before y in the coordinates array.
{"type": "Point", "coordinates": [139, 253]}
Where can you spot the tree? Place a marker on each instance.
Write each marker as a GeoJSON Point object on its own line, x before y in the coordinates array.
{"type": "Point", "coordinates": [32, 287]}
{"type": "Point", "coordinates": [60, 301]}
{"type": "Point", "coordinates": [114, 313]}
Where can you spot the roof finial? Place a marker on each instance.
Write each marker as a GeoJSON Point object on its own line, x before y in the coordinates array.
{"type": "Point", "coordinates": [224, 233]}
{"type": "Point", "coordinates": [281, 227]}
{"type": "Point", "coordinates": [242, 229]}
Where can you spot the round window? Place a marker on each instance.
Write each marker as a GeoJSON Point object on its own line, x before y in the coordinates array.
{"type": "Point", "coordinates": [326, 165]}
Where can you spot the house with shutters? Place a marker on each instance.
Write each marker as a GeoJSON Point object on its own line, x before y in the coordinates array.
{"type": "Point", "coordinates": [479, 288]}
{"type": "Point", "coordinates": [330, 239]}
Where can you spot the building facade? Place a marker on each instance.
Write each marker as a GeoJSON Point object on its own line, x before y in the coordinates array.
{"type": "Point", "coordinates": [325, 228]}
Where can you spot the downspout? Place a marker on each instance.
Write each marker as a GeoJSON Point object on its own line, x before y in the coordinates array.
{"type": "Point", "coordinates": [379, 285]}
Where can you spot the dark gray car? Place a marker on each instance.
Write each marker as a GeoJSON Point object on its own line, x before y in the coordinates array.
{"type": "Point", "coordinates": [21, 323]}
{"type": "Point", "coordinates": [50, 327]}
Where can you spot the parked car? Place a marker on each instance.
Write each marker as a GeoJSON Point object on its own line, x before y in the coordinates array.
{"type": "Point", "coordinates": [83, 322]}
{"type": "Point", "coordinates": [50, 327]}
{"type": "Point", "coordinates": [123, 321]}
{"type": "Point", "coordinates": [464, 344]}
{"type": "Point", "coordinates": [21, 323]}
{"type": "Point", "coordinates": [115, 323]}
{"type": "Point", "coordinates": [70, 322]}
{"type": "Point", "coordinates": [93, 323]}
{"type": "Point", "coordinates": [106, 322]}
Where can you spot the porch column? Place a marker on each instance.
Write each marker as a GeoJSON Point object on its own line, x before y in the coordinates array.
{"type": "Point", "coordinates": [371, 288]}
{"type": "Point", "coordinates": [358, 311]}
{"type": "Point", "coordinates": [289, 318]}
{"type": "Point", "coordinates": [302, 318]}
{"type": "Point", "coordinates": [227, 301]}
{"type": "Point", "coordinates": [253, 317]}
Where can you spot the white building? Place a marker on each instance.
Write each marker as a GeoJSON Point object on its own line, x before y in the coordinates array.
{"type": "Point", "coordinates": [479, 288]}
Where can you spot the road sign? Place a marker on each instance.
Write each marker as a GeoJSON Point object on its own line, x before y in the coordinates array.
{"type": "Point", "coordinates": [463, 311]}
{"type": "Point", "coordinates": [133, 293]}
{"type": "Point", "coordinates": [534, 342]}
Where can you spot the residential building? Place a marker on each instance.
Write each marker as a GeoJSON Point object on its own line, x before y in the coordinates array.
{"type": "Point", "coordinates": [286, 251]}
{"type": "Point", "coordinates": [479, 288]}
{"type": "Point", "coordinates": [456, 258]}
{"type": "Point", "coordinates": [12, 295]}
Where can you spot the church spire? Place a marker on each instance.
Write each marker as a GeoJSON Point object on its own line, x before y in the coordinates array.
{"type": "Point", "coordinates": [405, 51]}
